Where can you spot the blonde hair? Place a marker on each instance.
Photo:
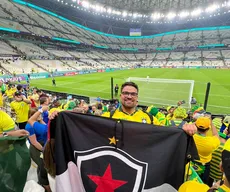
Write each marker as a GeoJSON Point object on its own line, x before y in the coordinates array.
{"type": "Point", "coordinates": [98, 113]}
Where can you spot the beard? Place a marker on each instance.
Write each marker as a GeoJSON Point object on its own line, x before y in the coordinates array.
{"type": "Point", "coordinates": [128, 103]}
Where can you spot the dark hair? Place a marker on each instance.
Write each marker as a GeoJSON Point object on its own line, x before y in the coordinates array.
{"type": "Point", "coordinates": [43, 100]}
{"type": "Point", "coordinates": [132, 84]}
{"type": "Point", "coordinates": [99, 106]}
{"type": "Point", "coordinates": [19, 87]}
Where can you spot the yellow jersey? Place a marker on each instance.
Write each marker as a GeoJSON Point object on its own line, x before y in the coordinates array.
{"type": "Point", "coordinates": [6, 122]}
{"type": "Point", "coordinates": [21, 109]}
{"type": "Point", "coordinates": [10, 93]}
{"type": "Point", "coordinates": [224, 188]}
{"type": "Point", "coordinates": [205, 146]}
{"type": "Point", "coordinates": [138, 116]}
{"type": "Point", "coordinates": [1, 99]}
{"type": "Point", "coordinates": [35, 97]}
{"type": "Point", "coordinates": [55, 109]}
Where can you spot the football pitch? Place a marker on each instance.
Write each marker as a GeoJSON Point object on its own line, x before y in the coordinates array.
{"type": "Point", "coordinates": [98, 84]}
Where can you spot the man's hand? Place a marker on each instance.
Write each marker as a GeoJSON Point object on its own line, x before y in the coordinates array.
{"type": "Point", "coordinates": [190, 129]}
{"type": "Point", "coordinates": [18, 133]}
{"type": "Point", "coordinates": [53, 115]}
{"type": "Point", "coordinates": [45, 108]}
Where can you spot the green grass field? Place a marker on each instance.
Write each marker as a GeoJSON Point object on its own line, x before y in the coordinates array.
{"type": "Point", "coordinates": [98, 84]}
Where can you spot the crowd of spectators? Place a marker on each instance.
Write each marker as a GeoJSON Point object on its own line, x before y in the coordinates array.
{"type": "Point", "coordinates": [27, 111]}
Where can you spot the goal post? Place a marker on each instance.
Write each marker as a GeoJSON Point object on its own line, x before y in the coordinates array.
{"type": "Point", "coordinates": [163, 92]}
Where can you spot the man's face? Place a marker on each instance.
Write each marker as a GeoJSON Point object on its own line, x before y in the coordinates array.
{"type": "Point", "coordinates": [1, 83]}
{"type": "Point", "coordinates": [18, 97]}
{"type": "Point", "coordinates": [94, 108]}
{"type": "Point", "coordinates": [171, 110]}
{"type": "Point", "coordinates": [129, 97]}
{"type": "Point", "coordinates": [34, 91]}
{"type": "Point", "coordinates": [47, 102]}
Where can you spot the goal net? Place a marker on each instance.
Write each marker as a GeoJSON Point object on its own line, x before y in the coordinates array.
{"type": "Point", "coordinates": [163, 92]}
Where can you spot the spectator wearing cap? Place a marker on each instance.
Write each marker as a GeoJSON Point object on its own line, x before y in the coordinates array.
{"type": "Point", "coordinates": [221, 186]}
{"type": "Point", "coordinates": [70, 105]}
{"type": "Point", "coordinates": [179, 114]}
{"type": "Point", "coordinates": [159, 118]}
{"type": "Point", "coordinates": [20, 106]}
{"type": "Point", "coordinates": [205, 144]}
{"type": "Point", "coordinates": [193, 186]}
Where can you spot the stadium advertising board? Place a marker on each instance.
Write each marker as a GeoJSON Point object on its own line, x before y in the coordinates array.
{"type": "Point", "coordinates": [100, 70]}
{"type": "Point", "coordinates": [8, 78]}
{"type": "Point", "coordinates": [57, 74]}
{"type": "Point", "coordinates": [38, 76]}
{"type": "Point", "coordinates": [70, 73]}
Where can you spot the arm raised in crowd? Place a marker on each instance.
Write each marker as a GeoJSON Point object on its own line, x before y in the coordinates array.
{"type": "Point", "coordinates": [35, 116]}
{"type": "Point", "coordinates": [27, 101]}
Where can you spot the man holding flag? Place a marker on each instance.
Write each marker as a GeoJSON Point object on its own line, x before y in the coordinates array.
{"type": "Point", "coordinates": [118, 154]}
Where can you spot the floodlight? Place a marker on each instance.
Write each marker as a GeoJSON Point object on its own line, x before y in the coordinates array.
{"type": "Point", "coordinates": [156, 16]}
{"type": "Point", "coordinates": [124, 14]}
{"type": "Point", "coordinates": [85, 4]}
{"type": "Point", "coordinates": [171, 15]}
{"type": "Point", "coordinates": [184, 14]}
{"type": "Point", "coordinates": [134, 15]}
{"type": "Point", "coordinates": [74, 0]}
{"type": "Point", "coordinates": [98, 8]}
{"type": "Point", "coordinates": [212, 8]}
{"type": "Point", "coordinates": [109, 10]}
{"type": "Point", "coordinates": [196, 12]}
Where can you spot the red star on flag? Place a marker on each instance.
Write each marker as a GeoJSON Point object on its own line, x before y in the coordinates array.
{"type": "Point", "coordinates": [106, 182]}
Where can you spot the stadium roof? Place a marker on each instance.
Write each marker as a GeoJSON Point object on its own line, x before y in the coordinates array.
{"type": "Point", "coordinates": [148, 6]}
{"type": "Point", "coordinates": [152, 16]}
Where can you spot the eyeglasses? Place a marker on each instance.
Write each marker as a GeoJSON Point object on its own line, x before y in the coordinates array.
{"type": "Point", "coordinates": [133, 94]}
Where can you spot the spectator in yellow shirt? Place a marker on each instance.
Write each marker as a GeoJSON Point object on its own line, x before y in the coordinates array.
{"type": "Point", "coordinates": [10, 93]}
{"type": "Point", "coordinates": [128, 109]}
{"type": "Point", "coordinates": [6, 122]}
{"type": "Point", "coordinates": [1, 99]}
{"type": "Point", "coordinates": [193, 186]}
{"type": "Point", "coordinates": [21, 108]}
{"type": "Point", "coordinates": [205, 144]}
{"type": "Point", "coordinates": [35, 97]}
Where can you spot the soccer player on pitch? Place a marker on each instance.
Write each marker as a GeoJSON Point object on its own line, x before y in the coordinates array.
{"type": "Point", "coordinates": [54, 82]}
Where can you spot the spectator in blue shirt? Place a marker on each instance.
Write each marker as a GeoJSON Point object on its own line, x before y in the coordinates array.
{"type": "Point", "coordinates": [38, 129]}
{"type": "Point", "coordinates": [44, 101]}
